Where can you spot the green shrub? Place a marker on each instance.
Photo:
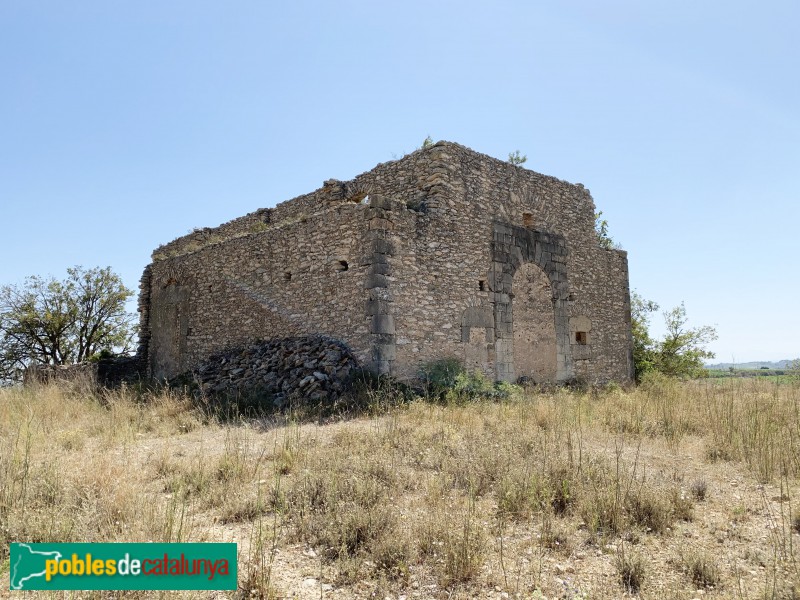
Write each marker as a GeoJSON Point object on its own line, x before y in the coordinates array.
{"type": "Point", "coordinates": [447, 380]}
{"type": "Point", "coordinates": [440, 376]}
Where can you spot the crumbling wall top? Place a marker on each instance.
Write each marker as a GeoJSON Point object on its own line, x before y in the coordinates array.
{"type": "Point", "coordinates": [434, 166]}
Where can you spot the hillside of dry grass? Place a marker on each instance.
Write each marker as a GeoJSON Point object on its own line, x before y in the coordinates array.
{"type": "Point", "coordinates": [672, 490]}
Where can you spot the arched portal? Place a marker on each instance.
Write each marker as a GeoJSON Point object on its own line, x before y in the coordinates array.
{"type": "Point", "coordinates": [513, 248]}
{"type": "Point", "coordinates": [533, 327]}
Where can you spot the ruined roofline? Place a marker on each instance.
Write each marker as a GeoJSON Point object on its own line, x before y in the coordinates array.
{"type": "Point", "coordinates": [498, 162]}
{"type": "Point", "coordinates": [333, 193]}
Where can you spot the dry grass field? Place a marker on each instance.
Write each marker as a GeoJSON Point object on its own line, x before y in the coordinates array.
{"type": "Point", "coordinates": [672, 490]}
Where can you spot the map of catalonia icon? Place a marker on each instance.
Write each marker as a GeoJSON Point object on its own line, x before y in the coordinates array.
{"type": "Point", "coordinates": [28, 564]}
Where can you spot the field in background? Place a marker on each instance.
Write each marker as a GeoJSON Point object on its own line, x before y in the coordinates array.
{"type": "Point", "coordinates": [779, 375]}
{"type": "Point", "coordinates": [667, 491]}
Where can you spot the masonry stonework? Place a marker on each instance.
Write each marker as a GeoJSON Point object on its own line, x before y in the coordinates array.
{"type": "Point", "coordinates": [443, 253]}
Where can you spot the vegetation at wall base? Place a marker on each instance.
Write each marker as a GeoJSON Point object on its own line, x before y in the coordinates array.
{"type": "Point", "coordinates": [447, 380]}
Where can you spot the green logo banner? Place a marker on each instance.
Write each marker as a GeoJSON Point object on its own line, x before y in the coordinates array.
{"type": "Point", "coordinates": [123, 567]}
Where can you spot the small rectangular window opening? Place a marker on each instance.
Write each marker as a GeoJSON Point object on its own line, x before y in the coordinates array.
{"type": "Point", "coordinates": [527, 219]}
{"type": "Point", "coordinates": [581, 338]}
{"type": "Point", "coordinates": [482, 285]}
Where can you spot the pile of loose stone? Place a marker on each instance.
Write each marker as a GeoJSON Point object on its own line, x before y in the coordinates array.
{"type": "Point", "coordinates": [313, 368]}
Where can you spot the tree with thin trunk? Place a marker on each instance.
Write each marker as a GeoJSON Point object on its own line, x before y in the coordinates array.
{"type": "Point", "coordinates": [47, 321]}
{"type": "Point", "coordinates": [682, 350]}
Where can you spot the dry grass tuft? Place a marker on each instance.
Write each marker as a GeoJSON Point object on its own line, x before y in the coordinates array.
{"type": "Point", "coordinates": [632, 571]}
{"type": "Point", "coordinates": [647, 509]}
{"type": "Point", "coordinates": [699, 489]}
{"type": "Point", "coordinates": [702, 569]}
{"type": "Point", "coordinates": [681, 505]}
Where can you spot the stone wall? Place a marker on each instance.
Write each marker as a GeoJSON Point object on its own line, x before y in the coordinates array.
{"type": "Point", "coordinates": [296, 278]}
{"type": "Point", "coordinates": [419, 259]}
{"type": "Point", "coordinates": [82, 373]}
{"type": "Point", "coordinates": [107, 372]}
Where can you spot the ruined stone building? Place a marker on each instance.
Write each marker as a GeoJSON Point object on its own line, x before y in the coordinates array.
{"type": "Point", "coordinates": [443, 253]}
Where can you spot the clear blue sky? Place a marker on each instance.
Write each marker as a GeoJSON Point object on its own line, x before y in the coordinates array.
{"type": "Point", "coordinates": [126, 124]}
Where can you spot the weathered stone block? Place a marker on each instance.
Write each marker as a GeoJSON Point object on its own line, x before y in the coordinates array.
{"type": "Point", "coordinates": [384, 338]}
{"type": "Point", "coordinates": [374, 259]}
{"type": "Point", "coordinates": [376, 280]}
{"type": "Point", "coordinates": [374, 212]}
{"type": "Point", "coordinates": [381, 367]}
{"type": "Point", "coordinates": [384, 352]}
{"type": "Point", "coordinates": [381, 202]}
{"type": "Point", "coordinates": [381, 224]}
{"type": "Point", "coordinates": [475, 316]}
{"type": "Point", "coordinates": [379, 269]}
{"type": "Point", "coordinates": [376, 307]}
{"type": "Point", "coordinates": [382, 324]}
{"type": "Point", "coordinates": [383, 246]}
{"type": "Point", "coordinates": [580, 323]}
